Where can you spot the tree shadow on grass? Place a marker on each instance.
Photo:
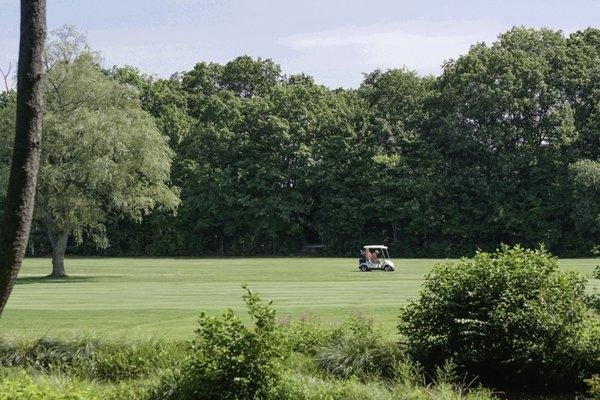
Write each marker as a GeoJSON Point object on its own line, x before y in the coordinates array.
{"type": "Point", "coordinates": [49, 279]}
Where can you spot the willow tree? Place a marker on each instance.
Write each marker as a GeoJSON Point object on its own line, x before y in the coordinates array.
{"type": "Point", "coordinates": [26, 132]}
{"type": "Point", "coordinates": [103, 157]}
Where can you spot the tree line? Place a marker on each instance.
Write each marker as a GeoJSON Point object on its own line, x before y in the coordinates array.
{"type": "Point", "coordinates": [240, 159]}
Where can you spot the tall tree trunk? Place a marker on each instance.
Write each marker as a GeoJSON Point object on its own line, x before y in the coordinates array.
{"type": "Point", "coordinates": [58, 240]}
{"type": "Point", "coordinates": [20, 195]}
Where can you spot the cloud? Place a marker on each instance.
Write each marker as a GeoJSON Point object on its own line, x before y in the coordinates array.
{"type": "Point", "coordinates": [418, 45]}
{"type": "Point", "coordinates": [335, 57]}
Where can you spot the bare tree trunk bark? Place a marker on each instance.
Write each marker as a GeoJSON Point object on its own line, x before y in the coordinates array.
{"type": "Point", "coordinates": [58, 240]}
{"type": "Point", "coordinates": [20, 196]}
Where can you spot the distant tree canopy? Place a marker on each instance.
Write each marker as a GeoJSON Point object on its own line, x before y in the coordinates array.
{"type": "Point", "coordinates": [502, 147]}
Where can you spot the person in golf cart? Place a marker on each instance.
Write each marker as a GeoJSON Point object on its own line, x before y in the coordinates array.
{"type": "Point", "coordinates": [377, 259]}
{"type": "Point", "coordinates": [363, 257]}
{"type": "Point", "coordinates": [370, 257]}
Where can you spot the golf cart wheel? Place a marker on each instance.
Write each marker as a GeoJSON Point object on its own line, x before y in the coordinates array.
{"type": "Point", "coordinates": [363, 268]}
{"type": "Point", "coordinates": [387, 268]}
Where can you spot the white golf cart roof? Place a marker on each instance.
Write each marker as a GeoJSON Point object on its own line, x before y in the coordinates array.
{"type": "Point", "coordinates": [376, 246]}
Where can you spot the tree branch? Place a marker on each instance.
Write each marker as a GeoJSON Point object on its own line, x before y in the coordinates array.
{"type": "Point", "coordinates": [5, 76]}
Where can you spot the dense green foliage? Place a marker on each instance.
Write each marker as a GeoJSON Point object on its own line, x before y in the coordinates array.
{"type": "Point", "coordinates": [511, 318]}
{"type": "Point", "coordinates": [500, 148]}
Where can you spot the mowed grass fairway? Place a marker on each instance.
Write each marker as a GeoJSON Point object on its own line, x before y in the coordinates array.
{"type": "Point", "coordinates": [118, 297]}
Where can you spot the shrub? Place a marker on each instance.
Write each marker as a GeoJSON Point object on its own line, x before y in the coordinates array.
{"type": "Point", "coordinates": [230, 360]}
{"type": "Point", "coordinates": [360, 351]}
{"type": "Point", "coordinates": [511, 318]}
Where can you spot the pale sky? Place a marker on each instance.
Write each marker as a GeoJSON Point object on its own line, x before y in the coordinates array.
{"type": "Point", "coordinates": [333, 40]}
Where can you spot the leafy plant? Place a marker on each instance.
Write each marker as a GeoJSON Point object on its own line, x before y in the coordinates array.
{"type": "Point", "coordinates": [230, 360]}
{"type": "Point", "coordinates": [511, 318]}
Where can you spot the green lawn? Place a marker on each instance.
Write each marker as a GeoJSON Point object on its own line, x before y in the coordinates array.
{"type": "Point", "coordinates": [161, 297]}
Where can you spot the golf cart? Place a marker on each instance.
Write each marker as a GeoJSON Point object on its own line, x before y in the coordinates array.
{"type": "Point", "coordinates": [375, 257]}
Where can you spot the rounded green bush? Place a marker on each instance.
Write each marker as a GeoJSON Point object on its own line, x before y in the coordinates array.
{"type": "Point", "coordinates": [511, 318]}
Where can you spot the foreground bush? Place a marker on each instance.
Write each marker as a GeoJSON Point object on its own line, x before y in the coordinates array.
{"type": "Point", "coordinates": [230, 360]}
{"type": "Point", "coordinates": [511, 318]}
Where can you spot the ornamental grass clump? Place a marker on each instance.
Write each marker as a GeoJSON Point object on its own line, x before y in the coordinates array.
{"type": "Point", "coordinates": [361, 351]}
